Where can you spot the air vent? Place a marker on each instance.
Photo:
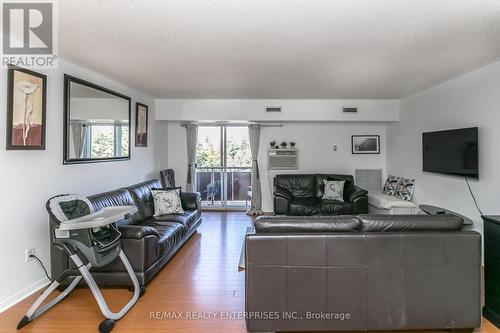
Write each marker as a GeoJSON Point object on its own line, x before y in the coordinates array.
{"type": "Point", "coordinates": [273, 109]}
{"type": "Point", "coordinates": [350, 110]}
{"type": "Point", "coordinates": [369, 179]}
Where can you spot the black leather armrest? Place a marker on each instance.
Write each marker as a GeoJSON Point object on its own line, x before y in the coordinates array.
{"type": "Point", "coordinates": [282, 199]}
{"type": "Point", "coordinates": [191, 200]}
{"type": "Point", "coordinates": [356, 193]}
{"type": "Point", "coordinates": [296, 224]}
{"type": "Point", "coordinates": [137, 231]}
{"type": "Point", "coordinates": [283, 193]}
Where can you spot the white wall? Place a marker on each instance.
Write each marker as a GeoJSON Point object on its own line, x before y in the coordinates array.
{"type": "Point", "coordinates": [304, 110]}
{"type": "Point", "coordinates": [314, 143]}
{"type": "Point", "coordinates": [29, 178]}
{"type": "Point", "coordinates": [470, 100]}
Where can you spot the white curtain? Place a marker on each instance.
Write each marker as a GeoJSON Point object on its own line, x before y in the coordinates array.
{"type": "Point", "coordinates": [192, 139]}
{"type": "Point", "coordinates": [254, 134]}
{"type": "Point", "coordinates": [80, 139]}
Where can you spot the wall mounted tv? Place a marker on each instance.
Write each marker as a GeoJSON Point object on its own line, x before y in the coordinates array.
{"type": "Point", "coordinates": [452, 152]}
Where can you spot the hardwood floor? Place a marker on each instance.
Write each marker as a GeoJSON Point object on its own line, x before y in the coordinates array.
{"type": "Point", "coordinates": [202, 277]}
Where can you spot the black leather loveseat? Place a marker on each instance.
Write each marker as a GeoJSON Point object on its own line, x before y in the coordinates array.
{"type": "Point", "coordinates": [301, 195]}
{"type": "Point", "coordinates": [362, 273]}
{"type": "Point", "coordinates": [149, 242]}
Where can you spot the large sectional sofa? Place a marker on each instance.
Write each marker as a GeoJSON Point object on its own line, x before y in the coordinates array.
{"type": "Point", "coordinates": [366, 272]}
{"type": "Point", "coordinates": [301, 195]}
{"type": "Point", "coordinates": [149, 242]}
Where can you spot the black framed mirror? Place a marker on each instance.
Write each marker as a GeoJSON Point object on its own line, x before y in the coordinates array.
{"type": "Point", "coordinates": [96, 123]}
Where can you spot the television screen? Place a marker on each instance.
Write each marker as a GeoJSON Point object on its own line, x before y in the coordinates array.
{"type": "Point", "coordinates": [453, 152]}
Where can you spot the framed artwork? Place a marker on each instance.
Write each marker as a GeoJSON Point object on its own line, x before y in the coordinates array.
{"type": "Point", "coordinates": [26, 103]}
{"type": "Point", "coordinates": [141, 125]}
{"type": "Point", "coordinates": [366, 144]}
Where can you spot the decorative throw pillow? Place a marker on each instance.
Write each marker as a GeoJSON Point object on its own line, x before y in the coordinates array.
{"type": "Point", "coordinates": [405, 189]}
{"type": "Point", "coordinates": [178, 188]}
{"type": "Point", "coordinates": [167, 202]}
{"type": "Point", "coordinates": [391, 185]}
{"type": "Point", "coordinates": [346, 184]}
{"type": "Point", "coordinates": [334, 190]}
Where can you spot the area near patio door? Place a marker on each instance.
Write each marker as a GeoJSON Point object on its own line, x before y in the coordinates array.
{"type": "Point", "coordinates": [223, 173]}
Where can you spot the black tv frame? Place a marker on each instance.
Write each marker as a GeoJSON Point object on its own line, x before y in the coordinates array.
{"type": "Point", "coordinates": [475, 176]}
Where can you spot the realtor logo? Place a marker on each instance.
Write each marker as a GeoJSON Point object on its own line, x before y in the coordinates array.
{"type": "Point", "coordinates": [28, 34]}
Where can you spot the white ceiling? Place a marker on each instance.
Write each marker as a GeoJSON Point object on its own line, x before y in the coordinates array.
{"type": "Point", "coordinates": [280, 48]}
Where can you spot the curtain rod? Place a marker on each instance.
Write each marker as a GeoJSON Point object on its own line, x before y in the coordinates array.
{"type": "Point", "coordinates": [225, 123]}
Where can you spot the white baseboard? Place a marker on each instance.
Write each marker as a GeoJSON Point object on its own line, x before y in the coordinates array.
{"type": "Point", "coordinates": [16, 298]}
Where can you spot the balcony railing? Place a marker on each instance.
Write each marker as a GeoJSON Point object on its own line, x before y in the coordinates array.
{"type": "Point", "coordinates": [210, 184]}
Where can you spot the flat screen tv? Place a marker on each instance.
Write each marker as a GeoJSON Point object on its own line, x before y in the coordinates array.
{"type": "Point", "coordinates": [452, 152]}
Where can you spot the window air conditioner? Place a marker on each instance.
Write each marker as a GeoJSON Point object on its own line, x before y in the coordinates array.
{"type": "Point", "coordinates": [282, 159]}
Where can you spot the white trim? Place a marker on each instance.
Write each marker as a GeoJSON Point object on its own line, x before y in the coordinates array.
{"type": "Point", "coordinates": [18, 297]}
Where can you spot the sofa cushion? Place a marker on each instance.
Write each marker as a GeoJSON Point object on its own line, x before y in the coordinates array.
{"type": "Point", "coordinates": [391, 185]}
{"type": "Point", "coordinates": [320, 186]}
{"type": "Point", "coordinates": [187, 219]}
{"type": "Point", "coordinates": [405, 189]}
{"type": "Point", "coordinates": [304, 206]}
{"type": "Point", "coordinates": [300, 186]}
{"type": "Point", "coordinates": [335, 207]}
{"type": "Point", "coordinates": [376, 223]}
{"type": "Point", "coordinates": [169, 233]}
{"type": "Point", "coordinates": [384, 201]}
{"type": "Point", "coordinates": [167, 202]}
{"type": "Point", "coordinates": [334, 190]}
{"type": "Point", "coordinates": [137, 231]}
{"type": "Point", "coordinates": [119, 197]}
{"type": "Point", "coordinates": [295, 224]}
{"type": "Point", "coordinates": [348, 187]}
{"type": "Point", "coordinates": [143, 199]}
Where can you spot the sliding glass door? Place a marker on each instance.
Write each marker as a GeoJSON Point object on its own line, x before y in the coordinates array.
{"type": "Point", "coordinates": [209, 160]}
{"type": "Point", "coordinates": [223, 174]}
{"type": "Point", "coordinates": [238, 166]}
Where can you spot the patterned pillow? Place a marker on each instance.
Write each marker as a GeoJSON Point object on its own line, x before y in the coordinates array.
{"type": "Point", "coordinates": [405, 189]}
{"type": "Point", "coordinates": [334, 190]}
{"type": "Point", "coordinates": [391, 185]}
{"type": "Point", "coordinates": [347, 184]}
{"type": "Point", "coordinates": [167, 202]}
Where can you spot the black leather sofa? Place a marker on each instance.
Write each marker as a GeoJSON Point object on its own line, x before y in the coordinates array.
{"type": "Point", "coordinates": [301, 195]}
{"type": "Point", "coordinates": [149, 242]}
{"type": "Point", "coordinates": [358, 273]}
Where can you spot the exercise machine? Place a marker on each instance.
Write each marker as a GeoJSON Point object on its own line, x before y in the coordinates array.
{"type": "Point", "coordinates": [90, 239]}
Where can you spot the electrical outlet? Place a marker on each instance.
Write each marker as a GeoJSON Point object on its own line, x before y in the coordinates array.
{"type": "Point", "coordinates": [335, 147]}
{"type": "Point", "coordinates": [28, 252]}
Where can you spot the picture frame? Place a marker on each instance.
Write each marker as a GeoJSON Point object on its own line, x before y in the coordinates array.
{"type": "Point", "coordinates": [365, 144]}
{"type": "Point", "coordinates": [75, 88]}
{"type": "Point", "coordinates": [26, 109]}
{"type": "Point", "coordinates": [141, 125]}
